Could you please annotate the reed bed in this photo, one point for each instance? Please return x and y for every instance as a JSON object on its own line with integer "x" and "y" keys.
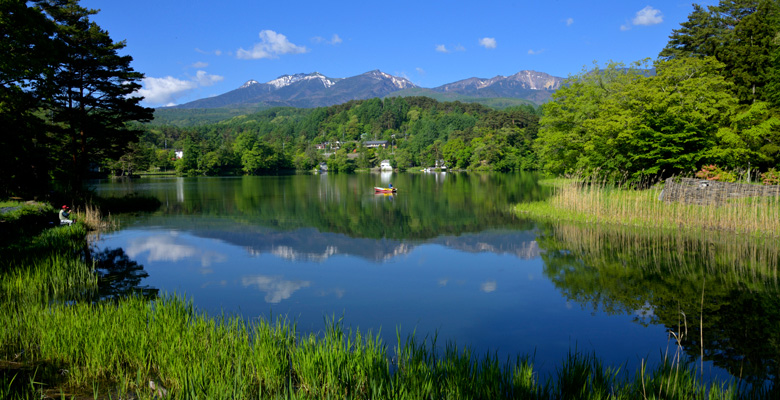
{"x": 91, "y": 216}
{"x": 600, "y": 202}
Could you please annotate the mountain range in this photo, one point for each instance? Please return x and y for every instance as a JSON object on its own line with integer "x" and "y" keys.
{"x": 316, "y": 90}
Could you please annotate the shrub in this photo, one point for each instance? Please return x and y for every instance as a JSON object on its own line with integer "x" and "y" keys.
{"x": 771, "y": 177}
{"x": 714, "y": 173}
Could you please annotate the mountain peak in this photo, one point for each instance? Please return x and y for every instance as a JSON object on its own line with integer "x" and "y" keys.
{"x": 504, "y": 86}
{"x": 249, "y": 83}
{"x": 398, "y": 82}
{"x": 286, "y": 80}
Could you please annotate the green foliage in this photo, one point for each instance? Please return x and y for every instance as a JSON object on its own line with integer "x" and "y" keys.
{"x": 621, "y": 122}
{"x": 420, "y": 129}
{"x": 339, "y": 162}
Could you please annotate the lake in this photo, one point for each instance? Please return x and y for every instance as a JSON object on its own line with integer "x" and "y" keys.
{"x": 444, "y": 258}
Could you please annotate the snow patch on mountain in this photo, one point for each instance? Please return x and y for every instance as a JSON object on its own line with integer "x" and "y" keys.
{"x": 286, "y": 80}
{"x": 249, "y": 83}
{"x": 400, "y": 83}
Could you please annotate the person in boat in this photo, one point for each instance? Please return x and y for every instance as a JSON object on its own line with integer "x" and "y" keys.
{"x": 65, "y": 216}
{"x": 391, "y": 186}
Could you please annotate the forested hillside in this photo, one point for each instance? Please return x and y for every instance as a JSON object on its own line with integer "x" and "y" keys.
{"x": 420, "y": 131}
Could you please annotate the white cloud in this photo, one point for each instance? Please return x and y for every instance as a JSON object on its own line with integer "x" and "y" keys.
{"x": 420, "y": 71}
{"x": 200, "y": 64}
{"x": 625, "y": 27}
{"x": 569, "y": 21}
{"x": 488, "y": 43}
{"x": 336, "y": 39}
{"x": 535, "y": 52}
{"x": 159, "y": 91}
{"x": 204, "y": 79}
{"x": 648, "y": 16}
{"x": 271, "y": 45}
{"x": 165, "y": 91}
{"x": 442, "y": 48}
{"x": 460, "y": 47}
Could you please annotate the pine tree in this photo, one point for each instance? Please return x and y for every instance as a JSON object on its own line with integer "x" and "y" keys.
{"x": 700, "y": 36}
{"x": 91, "y": 89}
{"x": 749, "y": 46}
{"x": 25, "y": 60}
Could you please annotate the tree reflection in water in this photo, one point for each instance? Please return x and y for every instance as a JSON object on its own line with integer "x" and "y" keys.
{"x": 119, "y": 276}
{"x": 659, "y": 277}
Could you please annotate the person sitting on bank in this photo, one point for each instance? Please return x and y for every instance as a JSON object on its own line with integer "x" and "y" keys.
{"x": 65, "y": 216}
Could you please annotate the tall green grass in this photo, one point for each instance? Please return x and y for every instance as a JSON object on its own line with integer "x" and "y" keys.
{"x": 124, "y": 346}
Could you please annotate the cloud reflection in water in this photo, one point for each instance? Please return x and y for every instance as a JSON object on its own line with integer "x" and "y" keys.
{"x": 171, "y": 247}
{"x": 276, "y": 289}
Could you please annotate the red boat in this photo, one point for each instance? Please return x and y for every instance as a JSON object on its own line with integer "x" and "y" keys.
{"x": 384, "y": 190}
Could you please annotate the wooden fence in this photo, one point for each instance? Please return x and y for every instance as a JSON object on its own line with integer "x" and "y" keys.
{"x": 701, "y": 191}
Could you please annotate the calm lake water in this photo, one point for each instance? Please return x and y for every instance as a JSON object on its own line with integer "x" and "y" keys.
{"x": 445, "y": 257}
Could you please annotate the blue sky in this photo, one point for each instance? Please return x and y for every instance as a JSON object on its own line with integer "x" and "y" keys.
{"x": 195, "y": 49}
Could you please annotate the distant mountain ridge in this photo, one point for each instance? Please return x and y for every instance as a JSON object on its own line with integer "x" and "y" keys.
{"x": 317, "y": 90}
{"x": 504, "y": 86}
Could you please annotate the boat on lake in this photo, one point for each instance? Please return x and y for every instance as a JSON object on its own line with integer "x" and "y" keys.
{"x": 384, "y": 189}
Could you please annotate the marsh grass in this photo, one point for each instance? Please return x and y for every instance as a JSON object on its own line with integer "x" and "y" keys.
{"x": 50, "y": 266}
{"x": 91, "y": 216}
{"x": 601, "y": 202}
{"x": 126, "y": 345}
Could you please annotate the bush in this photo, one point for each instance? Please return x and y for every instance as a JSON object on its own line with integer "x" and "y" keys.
{"x": 714, "y": 173}
{"x": 771, "y": 177}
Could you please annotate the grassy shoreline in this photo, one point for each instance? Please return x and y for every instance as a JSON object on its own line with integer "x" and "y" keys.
{"x": 582, "y": 201}
{"x": 59, "y": 342}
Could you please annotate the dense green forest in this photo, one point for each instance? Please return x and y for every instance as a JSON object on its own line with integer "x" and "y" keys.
{"x": 419, "y": 132}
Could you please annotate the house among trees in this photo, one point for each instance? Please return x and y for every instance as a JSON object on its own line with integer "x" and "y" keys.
{"x": 375, "y": 143}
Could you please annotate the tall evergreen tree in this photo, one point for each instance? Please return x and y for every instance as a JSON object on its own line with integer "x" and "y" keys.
{"x": 699, "y": 36}
{"x": 91, "y": 89}
{"x": 749, "y": 46}
{"x": 26, "y": 58}
{"x": 739, "y": 33}
{"x": 773, "y": 80}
